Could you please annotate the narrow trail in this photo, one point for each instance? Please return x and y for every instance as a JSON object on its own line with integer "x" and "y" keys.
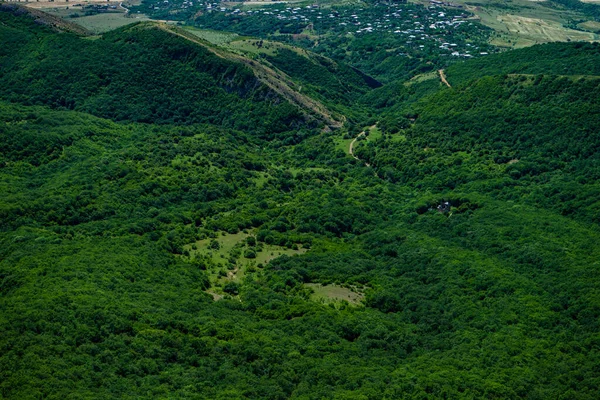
{"x": 443, "y": 77}
{"x": 351, "y": 149}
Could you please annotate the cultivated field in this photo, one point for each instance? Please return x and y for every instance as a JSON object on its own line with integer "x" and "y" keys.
{"x": 101, "y": 23}
{"x": 44, "y": 4}
{"x": 522, "y": 23}
{"x": 591, "y": 26}
{"x": 543, "y": 30}
{"x": 74, "y": 11}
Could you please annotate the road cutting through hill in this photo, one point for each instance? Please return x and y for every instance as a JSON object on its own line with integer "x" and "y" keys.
{"x": 443, "y": 77}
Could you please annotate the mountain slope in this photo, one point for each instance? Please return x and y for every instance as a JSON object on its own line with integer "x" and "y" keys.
{"x": 32, "y": 17}
{"x": 552, "y": 58}
{"x": 531, "y": 137}
{"x": 149, "y": 73}
{"x": 197, "y": 261}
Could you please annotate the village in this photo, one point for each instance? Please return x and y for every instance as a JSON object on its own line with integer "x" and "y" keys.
{"x": 439, "y": 27}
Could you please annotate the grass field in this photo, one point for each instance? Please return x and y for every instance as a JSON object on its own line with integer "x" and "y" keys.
{"x": 252, "y": 46}
{"x": 229, "y": 260}
{"x": 214, "y": 37}
{"x": 45, "y": 4}
{"x": 591, "y": 26}
{"x": 239, "y": 44}
{"x": 542, "y": 30}
{"x": 98, "y": 23}
{"x": 422, "y": 78}
{"x": 522, "y": 23}
{"x": 343, "y": 144}
{"x": 261, "y": 179}
{"x": 334, "y": 294}
{"x": 101, "y": 23}
{"x": 374, "y": 133}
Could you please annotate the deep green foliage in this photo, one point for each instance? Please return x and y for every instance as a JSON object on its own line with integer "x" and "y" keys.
{"x": 144, "y": 74}
{"x": 467, "y": 134}
{"x": 590, "y": 9}
{"x": 552, "y": 58}
{"x": 473, "y": 234}
{"x": 336, "y": 83}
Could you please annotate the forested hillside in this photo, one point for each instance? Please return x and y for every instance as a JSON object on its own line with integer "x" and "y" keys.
{"x": 173, "y": 226}
{"x": 147, "y": 73}
{"x": 552, "y": 58}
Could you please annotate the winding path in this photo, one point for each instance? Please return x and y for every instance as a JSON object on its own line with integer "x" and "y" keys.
{"x": 351, "y": 149}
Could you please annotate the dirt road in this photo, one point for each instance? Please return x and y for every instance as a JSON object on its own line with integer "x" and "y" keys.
{"x": 443, "y": 77}
{"x": 351, "y": 149}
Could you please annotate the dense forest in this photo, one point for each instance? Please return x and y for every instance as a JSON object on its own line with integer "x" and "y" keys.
{"x": 169, "y": 217}
{"x": 117, "y": 77}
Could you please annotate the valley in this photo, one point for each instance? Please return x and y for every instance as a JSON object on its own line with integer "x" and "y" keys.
{"x": 298, "y": 200}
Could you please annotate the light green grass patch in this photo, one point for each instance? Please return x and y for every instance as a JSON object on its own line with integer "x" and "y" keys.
{"x": 374, "y": 133}
{"x": 343, "y": 144}
{"x": 101, "y": 23}
{"x": 261, "y": 178}
{"x": 334, "y": 293}
{"x": 255, "y": 46}
{"x": 543, "y": 30}
{"x": 521, "y": 23}
{"x": 397, "y": 137}
{"x": 215, "y": 37}
{"x": 226, "y": 244}
{"x": 229, "y": 262}
{"x": 591, "y": 26}
{"x": 422, "y": 78}
{"x": 271, "y": 252}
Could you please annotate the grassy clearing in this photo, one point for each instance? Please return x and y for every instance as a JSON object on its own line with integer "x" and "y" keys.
{"x": 56, "y": 4}
{"x": 374, "y": 133}
{"x": 397, "y": 137}
{"x": 255, "y": 46}
{"x": 240, "y": 44}
{"x": 271, "y": 252}
{"x": 343, "y": 144}
{"x": 542, "y": 30}
{"x": 591, "y": 26}
{"x": 335, "y": 294}
{"x": 228, "y": 257}
{"x": 101, "y": 23}
{"x": 215, "y": 37}
{"x": 522, "y": 23}
{"x": 422, "y": 78}
{"x": 261, "y": 179}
